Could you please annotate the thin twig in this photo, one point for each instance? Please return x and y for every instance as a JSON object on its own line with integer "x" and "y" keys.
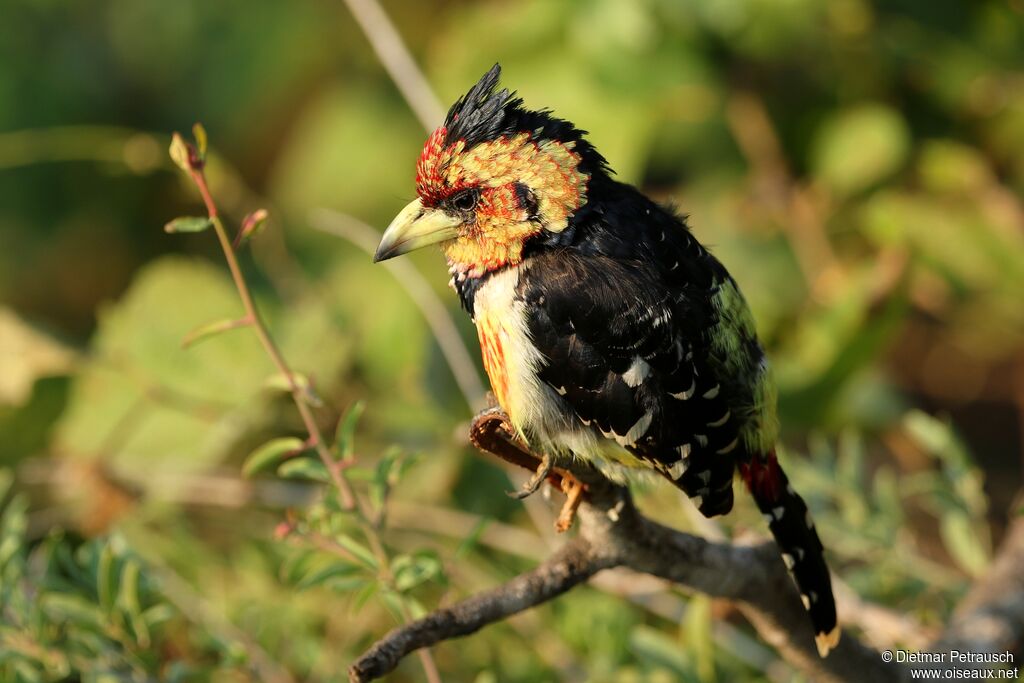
{"x": 395, "y": 56}
{"x": 191, "y": 160}
{"x": 348, "y": 498}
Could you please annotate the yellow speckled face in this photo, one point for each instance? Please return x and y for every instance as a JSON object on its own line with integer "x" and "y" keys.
{"x": 510, "y": 189}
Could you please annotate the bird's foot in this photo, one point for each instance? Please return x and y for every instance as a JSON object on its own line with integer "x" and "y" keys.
{"x": 530, "y": 487}
{"x": 573, "y": 489}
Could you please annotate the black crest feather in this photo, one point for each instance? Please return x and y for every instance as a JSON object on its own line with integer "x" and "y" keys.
{"x": 486, "y": 113}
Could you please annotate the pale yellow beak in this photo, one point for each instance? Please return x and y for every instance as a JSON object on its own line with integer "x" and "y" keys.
{"x": 416, "y": 226}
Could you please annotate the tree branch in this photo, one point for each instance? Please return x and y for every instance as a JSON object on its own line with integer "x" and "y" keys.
{"x": 613, "y": 533}
{"x": 572, "y": 564}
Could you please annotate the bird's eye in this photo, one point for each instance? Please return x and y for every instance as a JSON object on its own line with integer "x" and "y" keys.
{"x": 465, "y": 200}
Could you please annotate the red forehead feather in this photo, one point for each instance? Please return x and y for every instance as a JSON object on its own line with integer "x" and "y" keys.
{"x": 429, "y": 181}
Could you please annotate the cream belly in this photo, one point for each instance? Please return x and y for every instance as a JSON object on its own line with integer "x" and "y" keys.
{"x": 542, "y": 418}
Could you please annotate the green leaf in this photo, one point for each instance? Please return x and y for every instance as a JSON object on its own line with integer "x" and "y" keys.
{"x": 188, "y": 224}
{"x": 305, "y": 468}
{"x": 344, "y": 437}
{"x": 212, "y": 329}
{"x": 199, "y": 133}
{"x": 410, "y": 571}
{"x": 963, "y": 542}
{"x": 270, "y": 453}
{"x": 358, "y": 550}
{"x": 859, "y": 146}
{"x": 325, "y": 574}
{"x": 364, "y": 594}
{"x": 279, "y": 382}
{"x": 106, "y": 578}
{"x": 472, "y": 539}
{"x": 394, "y": 603}
{"x": 699, "y": 628}
{"x": 252, "y": 225}
{"x": 215, "y": 381}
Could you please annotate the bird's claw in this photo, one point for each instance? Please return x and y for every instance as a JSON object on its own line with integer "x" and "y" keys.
{"x": 574, "y": 490}
{"x": 531, "y": 486}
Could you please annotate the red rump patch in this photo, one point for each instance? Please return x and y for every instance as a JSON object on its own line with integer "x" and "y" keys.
{"x": 763, "y": 477}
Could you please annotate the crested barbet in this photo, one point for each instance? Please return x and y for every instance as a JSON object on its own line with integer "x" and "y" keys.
{"x": 608, "y": 332}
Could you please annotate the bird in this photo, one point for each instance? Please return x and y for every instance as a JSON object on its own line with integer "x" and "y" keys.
{"x": 609, "y": 334}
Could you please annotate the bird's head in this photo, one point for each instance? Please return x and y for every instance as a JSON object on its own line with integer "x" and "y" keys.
{"x": 491, "y": 178}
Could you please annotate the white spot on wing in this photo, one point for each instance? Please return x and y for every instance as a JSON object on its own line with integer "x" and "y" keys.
{"x": 637, "y": 430}
{"x": 705, "y": 477}
{"x": 777, "y": 512}
{"x": 712, "y": 392}
{"x": 720, "y": 421}
{"x": 807, "y": 601}
{"x": 637, "y": 372}
{"x": 684, "y": 451}
{"x": 788, "y": 559}
{"x": 702, "y": 439}
{"x": 560, "y": 390}
{"x": 678, "y": 469}
{"x": 685, "y": 395}
{"x": 729, "y": 448}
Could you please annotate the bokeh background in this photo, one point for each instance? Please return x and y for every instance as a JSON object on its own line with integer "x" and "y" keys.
{"x": 857, "y": 165}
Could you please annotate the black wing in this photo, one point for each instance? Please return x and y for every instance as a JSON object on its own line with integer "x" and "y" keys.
{"x": 626, "y": 344}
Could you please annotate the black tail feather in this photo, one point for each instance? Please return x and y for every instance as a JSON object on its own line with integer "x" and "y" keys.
{"x": 794, "y": 532}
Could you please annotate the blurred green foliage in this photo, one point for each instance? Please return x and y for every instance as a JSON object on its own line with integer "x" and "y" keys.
{"x": 857, "y": 165}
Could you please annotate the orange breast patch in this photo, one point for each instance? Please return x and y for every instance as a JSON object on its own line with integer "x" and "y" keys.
{"x": 492, "y": 347}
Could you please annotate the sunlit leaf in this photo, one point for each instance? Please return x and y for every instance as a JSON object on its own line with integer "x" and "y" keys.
{"x": 360, "y": 551}
{"x": 305, "y": 468}
{"x": 859, "y": 146}
{"x": 271, "y": 453}
{"x": 199, "y": 133}
{"x": 344, "y": 437}
{"x": 179, "y": 152}
{"x": 188, "y": 224}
